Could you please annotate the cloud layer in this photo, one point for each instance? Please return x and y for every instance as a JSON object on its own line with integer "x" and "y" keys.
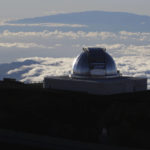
{"x": 36, "y": 68}
{"x": 23, "y": 45}
{"x": 68, "y": 44}
{"x": 121, "y": 36}
{"x": 44, "y": 25}
{"x": 129, "y": 49}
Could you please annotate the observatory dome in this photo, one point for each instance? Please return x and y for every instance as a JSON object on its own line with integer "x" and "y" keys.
{"x": 94, "y": 63}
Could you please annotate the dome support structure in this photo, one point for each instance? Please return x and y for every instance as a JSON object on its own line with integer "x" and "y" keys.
{"x": 94, "y": 72}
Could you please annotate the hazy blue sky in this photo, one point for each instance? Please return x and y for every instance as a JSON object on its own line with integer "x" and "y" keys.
{"x": 31, "y": 8}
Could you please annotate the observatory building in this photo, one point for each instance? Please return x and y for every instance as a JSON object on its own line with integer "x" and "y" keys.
{"x": 94, "y": 71}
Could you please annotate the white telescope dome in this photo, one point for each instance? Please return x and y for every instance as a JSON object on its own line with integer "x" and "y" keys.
{"x": 94, "y": 62}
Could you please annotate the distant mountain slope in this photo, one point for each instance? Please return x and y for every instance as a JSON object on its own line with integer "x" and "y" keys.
{"x": 97, "y": 20}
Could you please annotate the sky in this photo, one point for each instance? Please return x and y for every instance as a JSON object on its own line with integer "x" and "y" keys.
{"x": 11, "y": 9}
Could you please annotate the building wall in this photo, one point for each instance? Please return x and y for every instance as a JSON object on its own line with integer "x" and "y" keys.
{"x": 98, "y": 87}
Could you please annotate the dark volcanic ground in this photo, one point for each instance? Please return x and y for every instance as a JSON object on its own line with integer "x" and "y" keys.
{"x": 118, "y": 120}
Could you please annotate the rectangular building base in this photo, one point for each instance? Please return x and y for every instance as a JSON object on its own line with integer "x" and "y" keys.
{"x": 106, "y": 86}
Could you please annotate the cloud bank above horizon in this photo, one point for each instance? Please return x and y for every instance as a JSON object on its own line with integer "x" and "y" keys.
{"x": 129, "y": 49}
{"x": 58, "y": 43}
{"x": 29, "y": 56}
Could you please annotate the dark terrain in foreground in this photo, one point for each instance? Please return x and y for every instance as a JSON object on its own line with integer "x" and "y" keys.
{"x": 116, "y": 120}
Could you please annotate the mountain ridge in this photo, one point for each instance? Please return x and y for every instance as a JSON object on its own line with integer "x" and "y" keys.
{"x": 85, "y": 13}
{"x": 96, "y": 20}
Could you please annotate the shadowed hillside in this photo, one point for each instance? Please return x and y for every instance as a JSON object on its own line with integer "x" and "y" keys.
{"x": 119, "y": 120}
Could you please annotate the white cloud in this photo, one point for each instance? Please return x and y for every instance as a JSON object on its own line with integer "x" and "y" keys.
{"x": 60, "y": 34}
{"x": 140, "y": 36}
{"x": 35, "y": 72}
{"x": 23, "y": 45}
{"x": 44, "y": 25}
{"x": 134, "y": 66}
{"x": 129, "y": 49}
{"x": 111, "y": 47}
{"x": 44, "y": 67}
{"x": 134, "y": 33}
{"x": 119, "y": 37}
